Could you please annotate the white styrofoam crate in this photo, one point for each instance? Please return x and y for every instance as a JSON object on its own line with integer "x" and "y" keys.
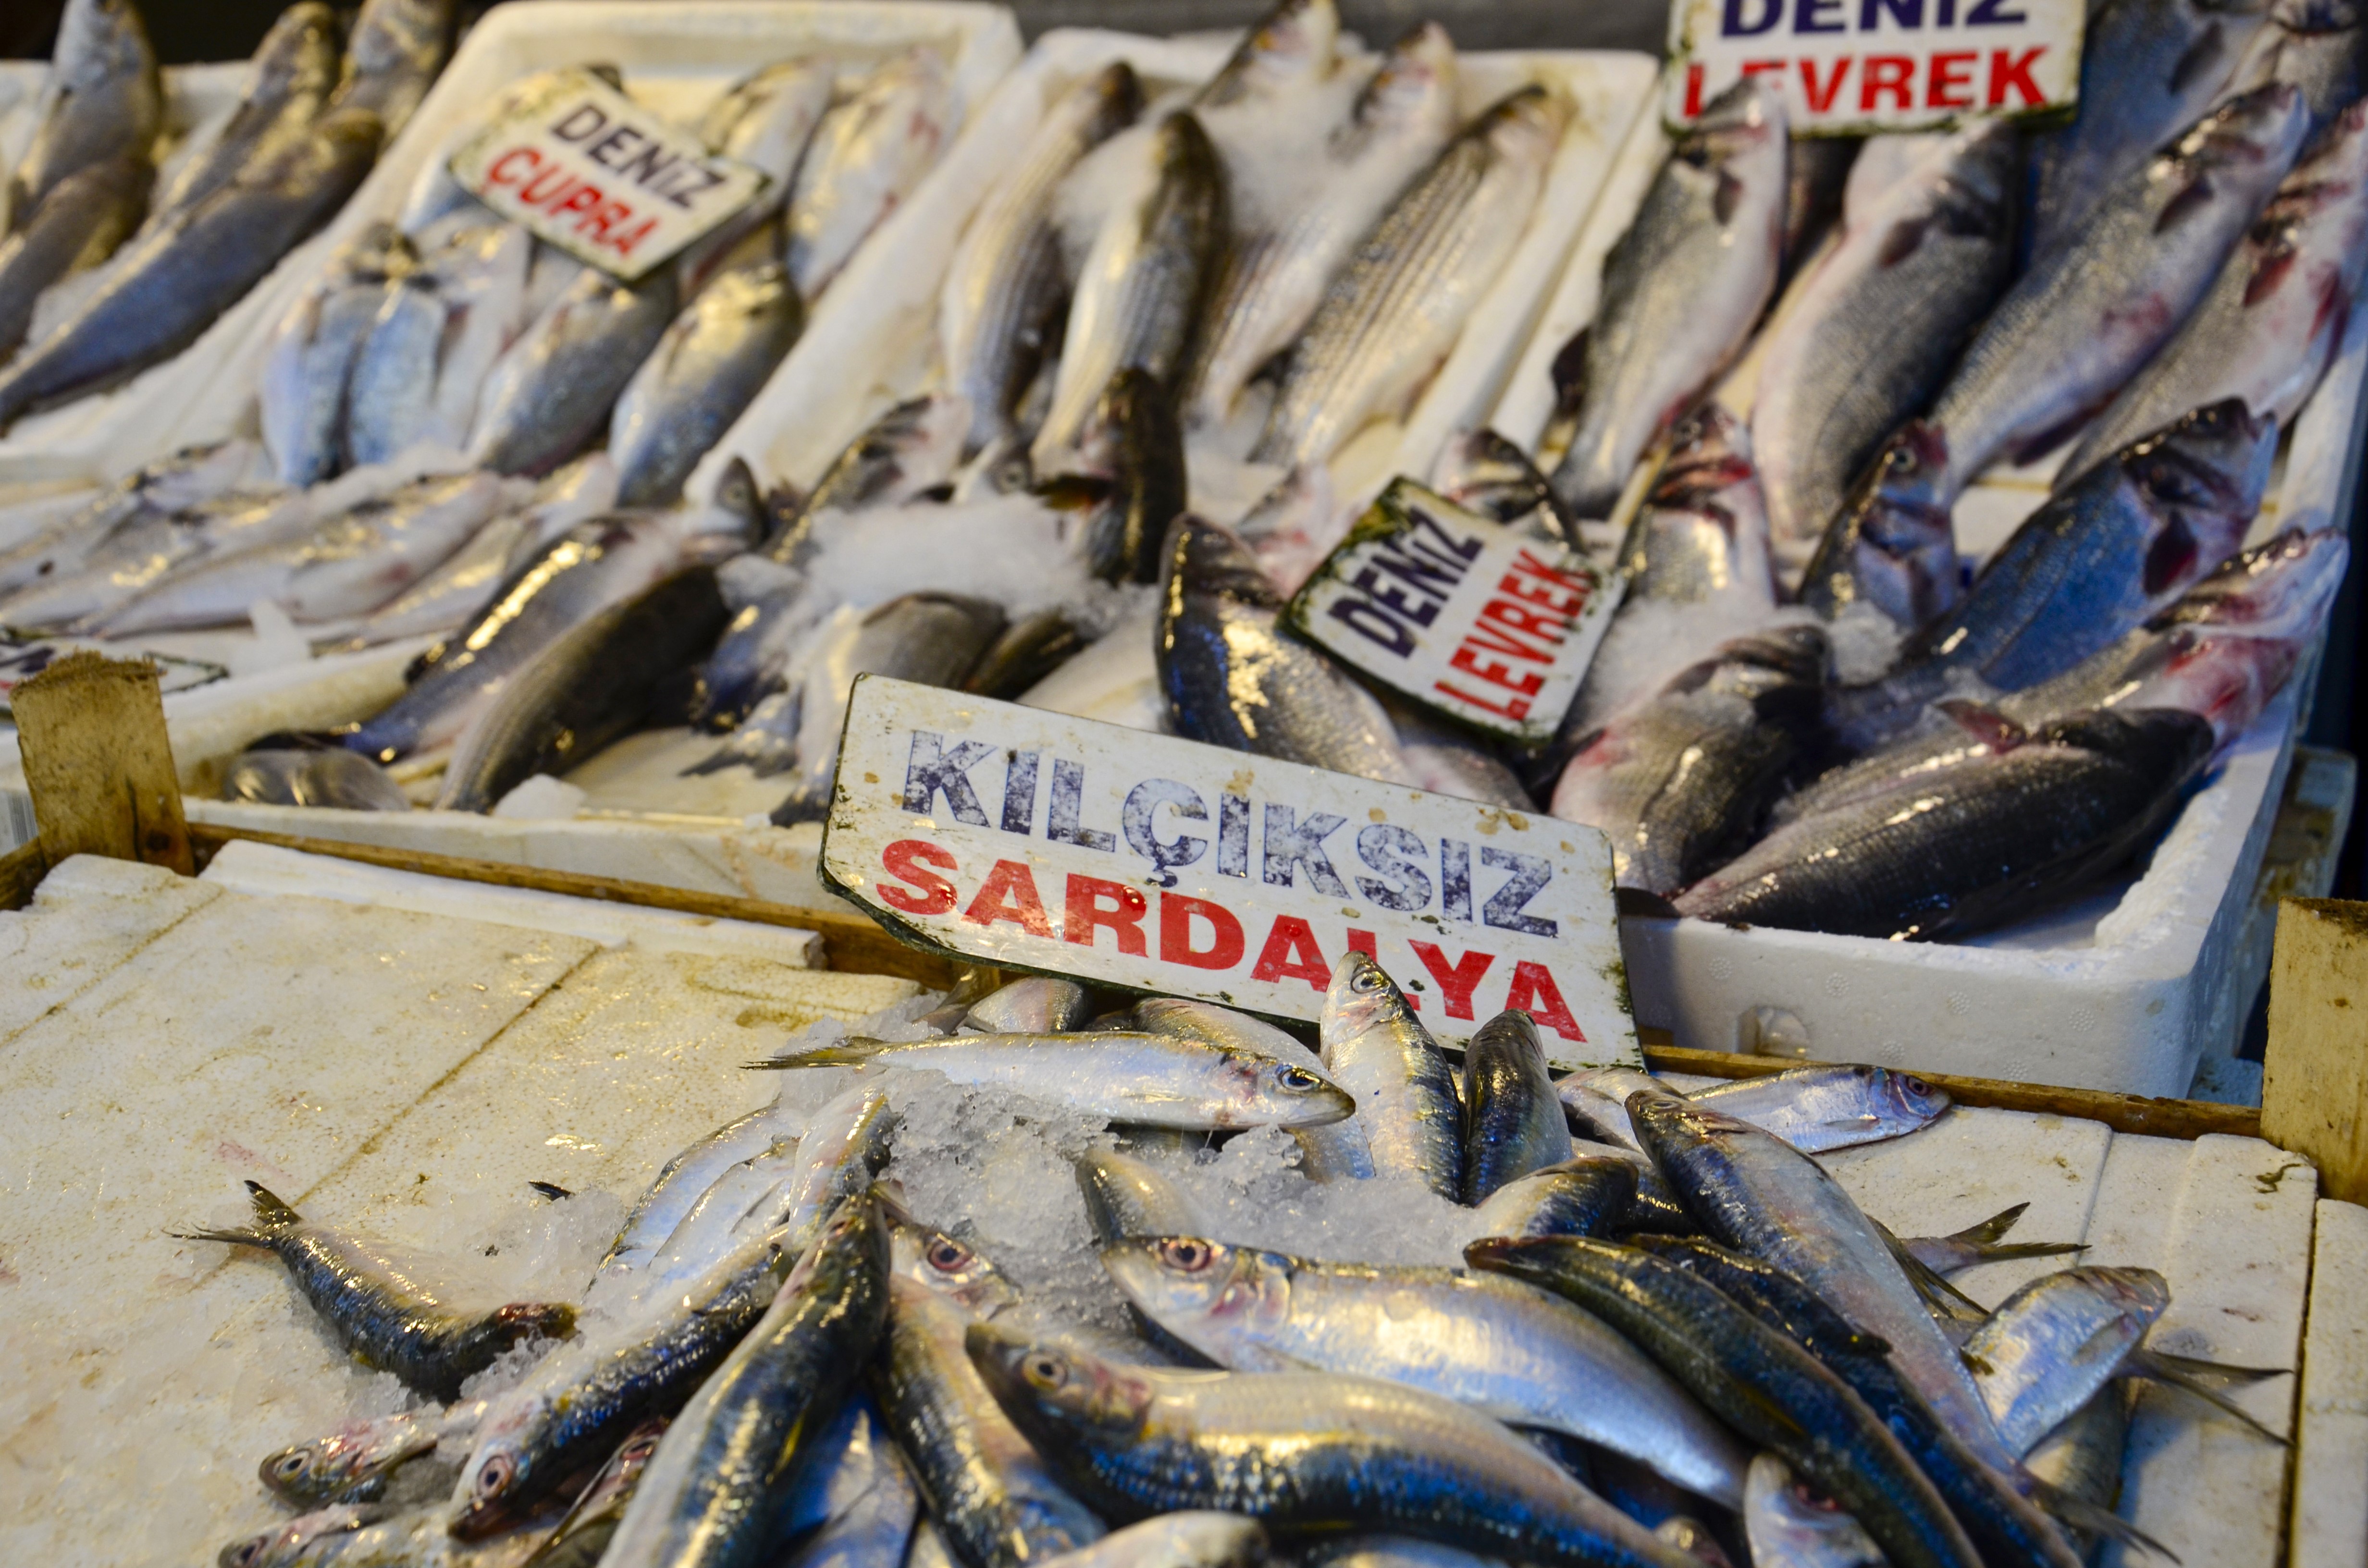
{"x": 675, "y": 57}
{"x": 2126, "y": 989}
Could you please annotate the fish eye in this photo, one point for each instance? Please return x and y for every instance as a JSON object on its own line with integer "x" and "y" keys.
{"x": 1045, "y": 1370}
{"x": 292, "y": 1464}
{"x": 1915, "y": 1084}
{"x": 494, "y": 1474}
{"x": 240, "y": 1555}
{"x": 947, "y": 1255}
{"x": 1368, "y": 978}
{"x": 1186, "y": 1255}
{"x": 1299, "y": 1080}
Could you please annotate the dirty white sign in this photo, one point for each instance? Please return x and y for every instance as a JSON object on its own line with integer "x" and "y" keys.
{"x": 22, "y": 660}
{"x": 1032, "y": 840}
{"x": 1850, "y": 67}
{"x": 585, "y": 168}
{"x": 1480, "y": 621}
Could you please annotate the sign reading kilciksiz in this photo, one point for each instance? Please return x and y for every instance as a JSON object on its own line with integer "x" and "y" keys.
{"x": 1487, "y": 622}
{"x": 583, "y": 166}
{"x": 1031, "y": 840}
{"x": 1866, "y": 65}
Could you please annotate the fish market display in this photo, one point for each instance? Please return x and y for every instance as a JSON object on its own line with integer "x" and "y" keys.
{"x": 894, "y": 1355}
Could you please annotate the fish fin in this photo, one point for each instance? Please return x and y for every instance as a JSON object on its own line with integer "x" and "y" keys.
{"x": 1945, "y": 1299}
{"x": 1848, "y": 1123}
{"x": 2140, "y": 1362}
{"x": 852, "y": 1051}
{"x": 716, "y": 762}
{"x": 551, "y": 1189}
{"x": 1982, "y": 1232}
{"x": 268, "y": 1210}
{"x": 234, "y": 1238}
{"x": 1999, "y": 1251}
{"x": 2198, "y": 1365}
{"x": 2091, "y": 1519}
{"x": 1999, "y": 732}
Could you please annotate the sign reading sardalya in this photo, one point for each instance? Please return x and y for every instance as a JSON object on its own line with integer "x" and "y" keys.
{"x": 1033, "y": 840}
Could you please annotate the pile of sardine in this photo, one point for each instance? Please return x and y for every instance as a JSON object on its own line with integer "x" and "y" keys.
{"x": 1674, "y": 1339}
{"x": 107, "y": 264}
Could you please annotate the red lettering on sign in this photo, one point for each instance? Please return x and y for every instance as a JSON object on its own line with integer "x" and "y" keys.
{"x": 623, "y": 244}
{"x": 1291, "y": 950}
{"x": 1694, "y": 89}
{"x": 2007, "y": 70}
{"x": 1457, "y": 980}
{"x": 1567, "y": 606}
{"x": 1951, "y": 83}
{"x": 1892, "y": 74}
{"x": 548, "y": 184}
{"x": 1763, "y": 68}
{"x": 1176, "y": 913}
{"x": 1535, "y": 993}
{"x": 1496, "y": 640}
{"x": 583, "y": 199}
{"x": 1821, "y": 100}
{"x": 904, "y": 860}
{"x": 1122, "y": 915}
{"x": 1526, "y": 563}
{"x": 1495, "y": 674}
{"x": 1505, "y": 613}
{"x": 1009, "y": 893}
{"x": 1512, "y": 708}
{"x": 1362, "y": 942}
{"x": 596, "y": 223}
{"x": 498, "y": 172}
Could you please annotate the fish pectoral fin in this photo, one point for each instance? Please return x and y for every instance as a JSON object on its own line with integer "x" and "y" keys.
{"x": 852, "y": 1053}
{"x": 2088, "y": 1519}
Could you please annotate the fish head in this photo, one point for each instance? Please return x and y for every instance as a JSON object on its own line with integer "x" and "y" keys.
{"x": 2278, "y": 589}
{"x": 606, "y": 1495}
{"x": 1048, "y": 1388}
{"x": 2249, "y": 141}
{"x": 518, "y": 1322}
{"x": 2200, "y": 481}
{"x": 350, "y": 1457}
{"x": 1202, "y": 560}
{"x": 1204, "y": 1292}
{"x": 1747, "y": 117}
{"x": 1264, "y": 1091}
{"x": 1525, "y": 125}
{"x": 1361, "y": 998}
{"x": 502, "y": 1474}
{"x": 1667, "y": 1126}
{"x": 286, "y": 1542}
{"x": 98, "y": 39}
{"x": 1709, "y": 450}
{"x": 2330, "y": 170}
{"x": 1506, "y": 1046}
{"x": 853, "y": 1242}
{"x": 2308, "y": 16}
{"x": 1902, "y": 1099}
{"x": 1415, "y": 86}
{"x": 913, "y": 446}
{"x": 949, "y": 1267}
{"x": 1117, "y": 93}
{"x": 1293, "y": 41}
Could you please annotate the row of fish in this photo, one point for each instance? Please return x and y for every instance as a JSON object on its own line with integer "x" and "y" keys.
{"x": 1671, "y": 1338}
{"x": 103, "y": 271}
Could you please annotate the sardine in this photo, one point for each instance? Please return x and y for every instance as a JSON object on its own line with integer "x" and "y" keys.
{"x": 1509, "y": 1349}
{"x": 999, "y": 309}
{"x": 1234, "y": 678}
{"x": 394, "y": 51}
{"x": 703, "y": 1500}
{"x": 1142, "y": 285}
{"x": 678, "y": 1185}
{"x": 1771, "y": 1391}
{"x": 1871, "y": 335}
{"x": 582, "y": 1536}
{"x": 1512, "y": 1122}
{"x": 2057, "y": 1341}
{"x": 725, "y": 1215}
{"x": 1280, "y": 264}
{"x": 385, "y": 1317}
{"x": 1791, "y": 1527}
{"x": 705, "y": 370}
{"x": 868, "y": 154}
{"x": 1820, "y": 1108}
{"x": 1592, "y": 1195}
{"x": 1153, "y": 1080}
{"x": 842, "y": 1149}
{"x": 295, "y": 69}
{"x": 866, "y": 1495}
{"x": 163, "y": 291}
{"x": 78, "y": 224}
{"x": 101, "y": 101}
{"x": 1303, "y": 1451}
{"x": 334, "y": 777}
{"x": 1192, "y": 1539}
{"x": 1680, "y": 780}
{"x": 302, "y": 390}
{"x": 555, "y": 386}
{"x": 1379, "y": 1053}
{"x": 1125, "y": 1198}
{"x": 1389, "y": 319}
{"x": 1039, "y": 1005}
{"x": 1681, "y": 290}
{"x": 1335, "y": 1152}
{"x": 594, "y": 684}
{"x": 2271, "y": 323}
{"x": 286, "y": 1543}
{"x": 353, "y": 1461}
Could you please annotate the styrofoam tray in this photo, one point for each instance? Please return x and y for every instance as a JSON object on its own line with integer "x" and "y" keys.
{"x": 872, "y": 341}
{"x": 675, "y": 57}
{"x": 2126, "y": 989}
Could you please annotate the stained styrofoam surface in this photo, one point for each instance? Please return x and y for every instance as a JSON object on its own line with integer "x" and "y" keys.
{"x": 675, "y": 57}
{"x": 2328, "y": 1526}
{"x": 89, "y": 915}
{"x": 872, "y": 342}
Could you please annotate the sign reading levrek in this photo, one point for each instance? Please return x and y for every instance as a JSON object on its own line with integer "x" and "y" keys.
{"x": 1484, "y": 621}
{"x": 584, "y": 166}
{"x": 1033, "y": 840}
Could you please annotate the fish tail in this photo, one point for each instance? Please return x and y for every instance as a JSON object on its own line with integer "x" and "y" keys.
{"x": 2090, "y": 1519}
{"x": 2145, "y": 1363}
{"x": 270, "y": 1215}
{"x": 1996, "y": 1252}
{"x": 2198, "y": 1365}
{"x": 849, "y": 1053}
{"x": 1984, "y": 1232}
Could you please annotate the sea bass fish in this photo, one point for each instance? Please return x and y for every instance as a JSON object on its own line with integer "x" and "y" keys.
{"x": 1390, "y": 318}
{"x": 706, "y": 369}
{"x": 394, "y": 51}
{"x": 868, "y": 154}
{"x": 1681, "y": 290}
{"x": 553, "y": 387}
{"x": 295, "y": 69}
{"x": 101, "y": 101}
{"x": 78, "y": 225}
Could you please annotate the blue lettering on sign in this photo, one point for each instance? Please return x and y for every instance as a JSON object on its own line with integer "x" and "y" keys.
{"x": 1233, "y": 835}
{"x": 1530, "y": 874}
{"x": 1732, "y": 25}
{"x": 930, "y": 770}
{"x": 1062, "y": 823}
{"x": 1813, "y": 17}
{"x": 1399, "y": 855}
{"x": 1134, "y": 820}
{"x": 1020, "y": 792}
{"x": 1291, "y": 843}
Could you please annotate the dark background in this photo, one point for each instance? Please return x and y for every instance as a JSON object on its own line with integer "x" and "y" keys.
{"x": 188, "y": 31}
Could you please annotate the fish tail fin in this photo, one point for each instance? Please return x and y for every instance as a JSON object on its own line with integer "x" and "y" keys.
{"x": 1987, "y": 1233}
{"x": 1995, "y": 1252}
{"x": 270, "y": 1214}
{"x": 270, "y": 1211}
{"x": 2198, "y": 1365}
{"x": 2091, "y": 1519}
{"x": 850, "y": 1052}
{"x": 2143, "y": 1363}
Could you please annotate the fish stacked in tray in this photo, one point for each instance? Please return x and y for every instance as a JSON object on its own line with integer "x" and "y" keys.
{"x": 1360, "y": 1302}
{"x": 109, "y": 265}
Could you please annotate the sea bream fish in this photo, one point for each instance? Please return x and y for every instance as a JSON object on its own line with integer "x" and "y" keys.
{"x": 440, "y": 327}
{"x": 1872, "y": 332}
{"x": 552, "y": 389}
{"x": 1000, "y": 310}
{"x": 2320, "y": 46}
{"x": 1290, "y": 244}
{"x": 2275, "y": 315}
{"x": 866, "y": 155}
{"x": 1682, "y": 290}
{"x": 706, "y": 369}
{"x": 101, "y": 101}
{"x": 300, "y": 393}
{"x": 1394, "y": 313}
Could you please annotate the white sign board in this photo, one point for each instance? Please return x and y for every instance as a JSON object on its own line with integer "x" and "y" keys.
{"x": 1478, "y": 619}
{"x": 1864, "y": 66}
{"x": 1031, "y": 840}
{"x": 585, "y": 168}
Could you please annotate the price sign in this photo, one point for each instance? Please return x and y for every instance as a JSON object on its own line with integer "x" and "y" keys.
{"x": 1031, "y": 840}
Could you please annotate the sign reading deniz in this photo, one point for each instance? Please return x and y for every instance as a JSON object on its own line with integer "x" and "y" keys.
{"x": 1856, "y": 65}
{"x": 583, "y": 166}
{"x": 1032, "y": 840}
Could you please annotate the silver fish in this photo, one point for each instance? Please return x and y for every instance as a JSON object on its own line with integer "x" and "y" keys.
{"x": 1681, "y": 290}
{"x": 437, "y": 335}
{"x": 151, "y": 547}
{"x": 1126, "y": 1197}
{"x": 1512, "y": 1122}
{"x": 302, "y": 391}
{"x": 766, "y": 120}
{"x": 166, "y": 290}
{"x": 354, "y": 1458}
{"x": 1192, "y": 1539}
{"x": 1000, "y": 306}
{"x": 2270, "y": 324}
{"x": 2054, "y": 1343}
{"x": 1791, "y": 1527}
{"x": 1870, "y": 335}
{"x": 1448, "y": 761}
{"x": 869, "y": 1500}
{"x": 1588, "y": 1195}
{"x": 1389, "y": 320}
{"x": 2083, "y": 319}
{"x": 1378, "y": 1050}
{"x": 705, "y": 370}
{"x": 718, "y": 1222}
{"x": 1818, "y": 1108}
{"x": 1295, "y": 41}
{"x": 101, "y": 101}
{"x": 867, "y": 156}
{"x": 679, "y": 1184}
{"x": 1500, "y": 1346}
{"x": 2320, "y": 46}
{"x": 1337, "y": 1152}
{"x": 1039, "y": 1005}
{"x": 1701, "y": 536}
{"x": 394, "y": 51}
{"x": 556, "y": 385}
{"x": 335, "y": 778}
{"x": 78, "y": 224}
{"x": 1280, "y": 263}
{"x": 1141, "y": 288}
{"x": 286, "y": 1543}
{"x": 295, "y": 69}
{"x": 184, "y": 479}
